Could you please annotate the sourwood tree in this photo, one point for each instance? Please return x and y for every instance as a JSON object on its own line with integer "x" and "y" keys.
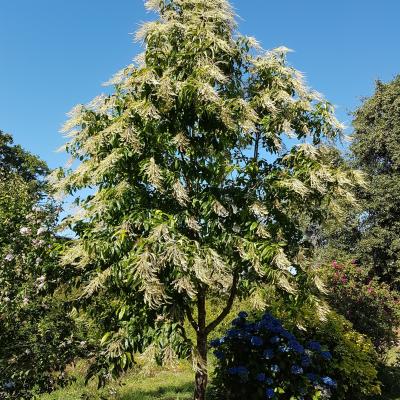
{"x": 194, "y": 180}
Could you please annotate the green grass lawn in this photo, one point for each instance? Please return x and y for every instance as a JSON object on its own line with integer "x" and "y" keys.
{"x": 174, "y": 384}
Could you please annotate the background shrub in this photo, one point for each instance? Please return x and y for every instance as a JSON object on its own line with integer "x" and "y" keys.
{"x": 354, "y": 359}
{"x": 371, "y": 306}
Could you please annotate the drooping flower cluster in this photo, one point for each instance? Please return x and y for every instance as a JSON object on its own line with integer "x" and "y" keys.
{"x": 265, "y": 360}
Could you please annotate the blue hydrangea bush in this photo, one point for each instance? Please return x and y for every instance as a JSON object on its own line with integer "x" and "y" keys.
{"x": 262, "y": 360}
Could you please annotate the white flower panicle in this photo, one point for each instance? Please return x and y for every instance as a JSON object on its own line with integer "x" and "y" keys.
{"x": 25, "y": 231}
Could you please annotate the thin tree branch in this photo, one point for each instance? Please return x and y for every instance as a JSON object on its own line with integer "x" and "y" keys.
{"x": 256, "y": 144}
{"x": 190, "y": 318}
{"x": 228, "y": 306}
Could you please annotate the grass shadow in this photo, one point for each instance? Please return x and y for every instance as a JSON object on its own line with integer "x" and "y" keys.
{"x": 167, "y": 391}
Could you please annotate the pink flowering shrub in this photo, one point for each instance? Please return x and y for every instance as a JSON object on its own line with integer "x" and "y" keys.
{"x": 372, "y": 307}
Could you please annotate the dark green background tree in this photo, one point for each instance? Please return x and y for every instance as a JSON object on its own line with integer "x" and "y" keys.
{"x": 376, "y": 150}
{"x": 364, "y": 246}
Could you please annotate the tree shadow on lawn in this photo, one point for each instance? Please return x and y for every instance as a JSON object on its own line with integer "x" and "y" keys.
{"x": 182, "y": 391}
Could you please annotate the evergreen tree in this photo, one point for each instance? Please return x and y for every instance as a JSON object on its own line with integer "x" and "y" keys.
{"x": 194, "y": 193}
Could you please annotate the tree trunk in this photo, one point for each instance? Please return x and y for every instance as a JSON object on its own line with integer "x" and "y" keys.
{"x": 201, "y": 377}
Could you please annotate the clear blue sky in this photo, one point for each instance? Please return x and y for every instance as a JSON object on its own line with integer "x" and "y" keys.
{"x": 56, "y": 53}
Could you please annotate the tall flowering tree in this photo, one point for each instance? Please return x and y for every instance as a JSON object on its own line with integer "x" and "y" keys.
{"x": 195, "y": 192}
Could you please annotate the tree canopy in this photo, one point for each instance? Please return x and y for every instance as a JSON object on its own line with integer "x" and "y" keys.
{"x": 14, "y": 159}
{"x": 376, "y": 150}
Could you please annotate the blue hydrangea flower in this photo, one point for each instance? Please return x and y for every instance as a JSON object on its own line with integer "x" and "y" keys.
{"x": 266, "y": 316}
{"x": 261, "y": 377}
{"x": 270, "y": 393}
{"x": 283, "y": 348}
{"x": 251, "y": 327}
{"x": 274, "y": 339}
{"x": 243, "y": 314}
{"x": 276, "y": 329}
{"x": 326, "y": 355}
{"x": 219, "y": 354}
{"x": 256, "y": 341}
{"x": 215, "y": 343}
{"x": 243, "y": 335}
{"x": 313, "y": 378}
{"x": 275, "y": 368}
{"x": 232, "y": 333}
{"x": 296, "y": 370}
{"x": 287, "y": 335}
{"x": 10, "y": 385}
{"x": 237, "y": 322}
{"x": 240, "y": 370}
{"x": 268, "y": 354}
{"x": 305, "y": 361}
{"x": 326, "y": 380}
{"x": 296, "y": 346}
{"x": 315, "y": 346}
{"x": 260, "y": 325}
{"x": 269, "y": 381}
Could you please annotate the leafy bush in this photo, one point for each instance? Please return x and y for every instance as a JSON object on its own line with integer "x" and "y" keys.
{"x": 35, "y": 356}
{"x": 37, "y": 336}
{"x": 354, "y": 359}
{"x": 370, "y": 305}
{"x": 264, "y": 360}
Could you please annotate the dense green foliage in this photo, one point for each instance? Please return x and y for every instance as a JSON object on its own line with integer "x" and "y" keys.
{"x": 354, "y": 359}
{"x": 15, "y": 160}
{"x": 374, "y": 238}
{"x": 36, "y": 335}
{"x": 195, "y": 194}
{"x": 367, "y": 292}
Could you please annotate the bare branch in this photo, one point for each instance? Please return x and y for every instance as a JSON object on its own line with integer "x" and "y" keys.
{"x": 228, "y": 306}
{"x": 190, "y": 318}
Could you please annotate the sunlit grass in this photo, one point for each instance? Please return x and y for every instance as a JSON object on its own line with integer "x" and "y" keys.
{"x": 176, "y": 384}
